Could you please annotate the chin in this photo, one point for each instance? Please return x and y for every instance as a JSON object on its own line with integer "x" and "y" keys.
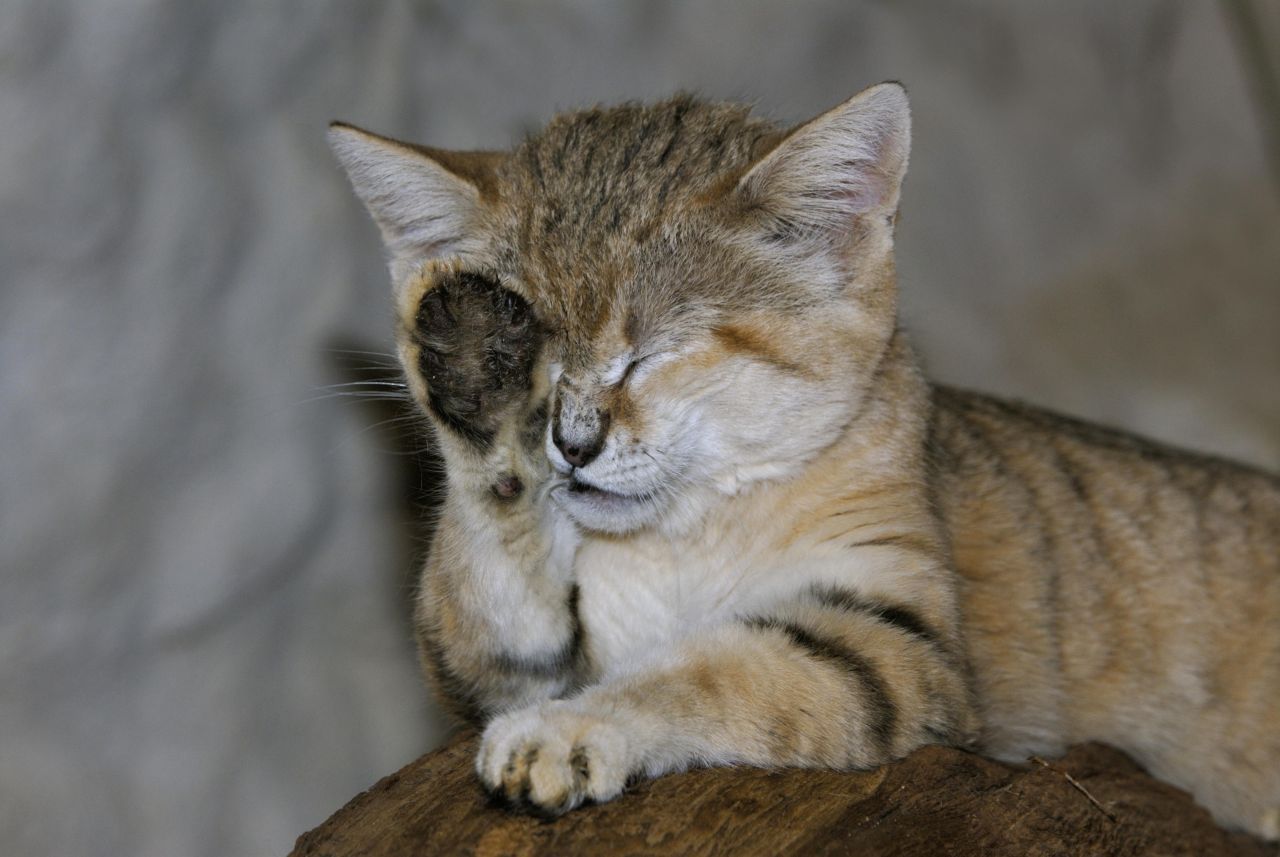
{"x": 605, "y": 511}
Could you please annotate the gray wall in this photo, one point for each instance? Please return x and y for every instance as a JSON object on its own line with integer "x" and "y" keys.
{"x": 203, "y": 638}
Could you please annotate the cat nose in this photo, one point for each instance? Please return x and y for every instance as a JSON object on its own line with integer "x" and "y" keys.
{"x": 580, "y": 444}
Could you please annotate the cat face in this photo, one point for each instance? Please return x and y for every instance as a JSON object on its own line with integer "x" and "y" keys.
{"x": 713, "y": 293}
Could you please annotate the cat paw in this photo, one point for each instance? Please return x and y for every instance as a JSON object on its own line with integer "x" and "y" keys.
{"x": 478, "y": 343}
{"x": 550, "y": 758}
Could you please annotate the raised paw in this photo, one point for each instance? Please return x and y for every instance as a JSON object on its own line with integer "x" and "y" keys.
{"x": 550, "y": 758}
{"x": 478, "y": 345}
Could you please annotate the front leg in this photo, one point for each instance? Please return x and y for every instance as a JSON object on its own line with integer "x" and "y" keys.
{"x": 828, "y": 680}
{"x": 496, "y": 617}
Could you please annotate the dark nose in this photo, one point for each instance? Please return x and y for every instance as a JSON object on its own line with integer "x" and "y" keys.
{"x": 580, "y": 447}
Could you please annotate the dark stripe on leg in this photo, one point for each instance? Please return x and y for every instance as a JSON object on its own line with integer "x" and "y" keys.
{"x": 458, "y": 693}
{"x": 900, "y": 617}
{"x": 576, "y": 632}
{"x": 554, "y": 664}
{"x": 883, "y": 713}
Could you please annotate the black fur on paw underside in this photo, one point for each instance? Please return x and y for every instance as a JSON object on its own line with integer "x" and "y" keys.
{"x": 479, "y": 343}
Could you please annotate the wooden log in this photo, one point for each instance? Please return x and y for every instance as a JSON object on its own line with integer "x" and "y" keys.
{"x": 936, "y": 801}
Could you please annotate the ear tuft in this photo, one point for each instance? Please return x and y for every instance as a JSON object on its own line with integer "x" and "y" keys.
{"x": 423, "y": 208}
{"x": 845, "y": 163}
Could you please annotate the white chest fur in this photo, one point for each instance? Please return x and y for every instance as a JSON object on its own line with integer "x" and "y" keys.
{"x": 640, "y": 593}
{"x": 637, "y": 595}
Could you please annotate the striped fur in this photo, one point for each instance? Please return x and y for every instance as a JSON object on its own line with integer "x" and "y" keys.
{"x": 703, "y": 508}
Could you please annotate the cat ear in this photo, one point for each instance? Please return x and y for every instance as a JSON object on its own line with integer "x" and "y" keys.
{"x": 846, "y": 163}
{"x": 426, "y": 201}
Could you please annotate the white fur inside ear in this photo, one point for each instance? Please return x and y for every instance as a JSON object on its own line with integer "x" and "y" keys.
{"x": 422, "y": 208}
{"x": 847, "y": 162}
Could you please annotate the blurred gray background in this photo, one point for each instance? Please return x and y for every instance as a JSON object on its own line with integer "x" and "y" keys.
{"x": 204, "y": 647}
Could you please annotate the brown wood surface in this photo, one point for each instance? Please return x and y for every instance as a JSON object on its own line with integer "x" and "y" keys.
{"x": 937, "y": 801}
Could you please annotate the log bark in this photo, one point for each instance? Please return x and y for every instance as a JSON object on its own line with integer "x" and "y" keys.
{"x": 936, "y": 801}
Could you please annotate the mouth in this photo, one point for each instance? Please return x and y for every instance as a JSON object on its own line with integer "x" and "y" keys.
{"x": 602, "y": 510}
{"x": 587, "y": 491}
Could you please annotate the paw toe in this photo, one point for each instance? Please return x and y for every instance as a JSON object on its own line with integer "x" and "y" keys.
{"x": 553, "y": 761}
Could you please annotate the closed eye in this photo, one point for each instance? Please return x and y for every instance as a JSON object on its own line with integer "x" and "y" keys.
{"x": 631, "y": 368}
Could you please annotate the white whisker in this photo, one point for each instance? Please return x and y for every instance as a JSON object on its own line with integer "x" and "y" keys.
{"x": 385, "y": 355}
{"x": 383, "y": 395}
{"x": 399, "y": 384}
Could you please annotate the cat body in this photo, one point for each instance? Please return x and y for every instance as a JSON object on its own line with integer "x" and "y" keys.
{"x": 1117, "y": 590}
{"x": 704, "y": 508}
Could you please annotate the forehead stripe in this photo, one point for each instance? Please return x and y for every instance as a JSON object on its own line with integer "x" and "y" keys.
{"x": 752, "y": 343}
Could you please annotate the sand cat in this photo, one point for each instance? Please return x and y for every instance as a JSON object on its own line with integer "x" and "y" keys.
{"x": 703, "y": 507}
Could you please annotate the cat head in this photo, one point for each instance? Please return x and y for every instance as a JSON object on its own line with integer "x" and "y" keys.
{"x": 715, "y": 292}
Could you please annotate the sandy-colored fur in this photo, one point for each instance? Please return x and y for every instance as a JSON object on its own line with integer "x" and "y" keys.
{"x": 1117, "y": 590}
{"x": 726, "y": 520}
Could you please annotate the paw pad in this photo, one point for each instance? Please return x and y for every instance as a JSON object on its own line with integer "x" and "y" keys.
{"x": 478, "y": 344}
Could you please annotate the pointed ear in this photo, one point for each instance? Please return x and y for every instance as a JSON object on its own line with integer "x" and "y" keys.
{"x": 846, "y": 163}
{"x": 427, "y": 202}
